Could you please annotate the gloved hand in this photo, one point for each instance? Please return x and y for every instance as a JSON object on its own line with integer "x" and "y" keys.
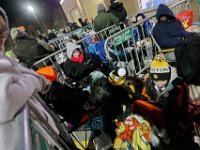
{"x": 45, "y": 85}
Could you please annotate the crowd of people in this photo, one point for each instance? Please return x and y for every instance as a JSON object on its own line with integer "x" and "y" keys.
{"x": 112, "y": 97}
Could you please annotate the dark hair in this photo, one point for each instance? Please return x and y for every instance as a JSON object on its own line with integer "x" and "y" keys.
{"x": 80, "y": 20}
{"x": 4, "y": 16}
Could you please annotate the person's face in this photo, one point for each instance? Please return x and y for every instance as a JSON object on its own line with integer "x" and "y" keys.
{"x": 160, "y": 83}
{"x": 163, "y": 18}
{"x": 3, "y": 33}
{"x": 139, "y": 18}
{"x": 76, "y": 53}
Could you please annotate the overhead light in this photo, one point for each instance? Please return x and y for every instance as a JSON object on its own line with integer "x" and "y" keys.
{"x": 30, "y": 8}
{"x": 61, "y": 1}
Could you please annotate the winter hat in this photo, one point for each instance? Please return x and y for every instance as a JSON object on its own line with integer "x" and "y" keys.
{"x": 101, "y": 8}
{"x": 70, "y": 48}
{"x": 160, "y": 69}
{"x": 117, "y": 77}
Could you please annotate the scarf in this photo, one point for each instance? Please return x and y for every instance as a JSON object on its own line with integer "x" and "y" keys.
{"x": 79, "y": 59}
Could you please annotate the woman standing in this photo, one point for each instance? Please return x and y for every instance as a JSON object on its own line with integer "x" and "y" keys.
{"x": 18, "y": 84}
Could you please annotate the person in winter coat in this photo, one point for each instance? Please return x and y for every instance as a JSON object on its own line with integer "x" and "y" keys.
{"x": 103, "y": 19}
{"x": 161, "y": 86}
{"x": 142, "y": 30}
{"x": 166, "y": 98}
{"x": 78, "y": 65}
{"x": 83, "y": 23}
{"x": 29, "y": 50}
{"x": 18, "y": 84}
{"x": 117, "y": 9}
{"x": 168, "y": 31}
{"x": 51, "y": 35}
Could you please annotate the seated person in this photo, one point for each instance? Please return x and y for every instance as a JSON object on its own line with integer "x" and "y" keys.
{"x": 142, "y": 30}
{"x": 168, "y": 31}
{"x": 166, "y": 96}
{"x": 78, "y": 65}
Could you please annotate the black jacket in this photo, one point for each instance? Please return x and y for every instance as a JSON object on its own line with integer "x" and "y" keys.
{"x": 171, "y": 33}
{"x": 78, "y": 70}
{"x": 29, "y": 51}
{"x": 118, "y": 10}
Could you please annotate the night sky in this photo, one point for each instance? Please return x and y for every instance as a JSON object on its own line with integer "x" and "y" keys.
{"x": 18, "y": 13}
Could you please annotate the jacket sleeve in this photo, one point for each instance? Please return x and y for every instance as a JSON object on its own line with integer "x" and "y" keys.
{"x": 164, "y": 40}
{"x": 95, "y": 26}
{"x": 81, "y": 70}
{"x": 16, "y": 89}
{"x": 135, "y": 34}
{"x": 114, "y": 19}
{"x": 77, "y": 70}
{"x": 45, "y": 45}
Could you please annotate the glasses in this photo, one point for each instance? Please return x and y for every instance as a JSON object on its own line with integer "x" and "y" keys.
{"x": 4, "y": 28}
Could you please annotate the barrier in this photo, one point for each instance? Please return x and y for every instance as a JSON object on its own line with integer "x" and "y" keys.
{"x": 136, "y": 43}
{"x": 39, "y": 128}
{"x": 60, "y": 56}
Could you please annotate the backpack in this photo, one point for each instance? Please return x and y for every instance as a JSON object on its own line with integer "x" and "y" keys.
{"x": 188, "y": 59}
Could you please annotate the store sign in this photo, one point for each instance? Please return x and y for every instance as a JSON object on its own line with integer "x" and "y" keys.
{"x": 122, "y": 37}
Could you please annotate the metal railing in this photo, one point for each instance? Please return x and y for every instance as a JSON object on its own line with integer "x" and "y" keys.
{"x": 133, "y": 48}
{"x": 37, "y": 132}
{"x": 54, "y": 59}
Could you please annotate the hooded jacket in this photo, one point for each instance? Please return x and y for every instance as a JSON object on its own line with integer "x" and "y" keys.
{"x": 104, "y": 19}
{"x": 138, "y": 31}
{"x": 29, "y": 50}
{"x": 170, "y": 33}
{"x": 118, "y": 10}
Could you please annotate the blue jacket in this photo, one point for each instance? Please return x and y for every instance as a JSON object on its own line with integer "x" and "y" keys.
{"x": 137, "y": 32}
{"x": 170, "y": 33}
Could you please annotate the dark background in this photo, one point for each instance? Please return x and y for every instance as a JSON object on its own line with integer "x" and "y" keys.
{"x": 49, "y": 14}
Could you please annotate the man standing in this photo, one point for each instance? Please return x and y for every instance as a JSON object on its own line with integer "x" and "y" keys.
{"x": 104, "y": 19}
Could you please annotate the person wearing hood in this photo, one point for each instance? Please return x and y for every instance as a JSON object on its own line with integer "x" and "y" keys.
{"x": 117, "y": 9}
{"x": 142, "y": 30}
{"x": 78, "y": 65}
{"x": 104, "y": 19}
{"x": 29, "y": 50}
{"x": 18, "y": 85}
{"x": 168, "y": 31}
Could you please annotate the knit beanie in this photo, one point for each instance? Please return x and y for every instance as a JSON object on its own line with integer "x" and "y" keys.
{"x": 70, "y": 48}
{"x": 117, "y": 77}
{"x": 101, "y": 8}
{"x": 160, "y": 69}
